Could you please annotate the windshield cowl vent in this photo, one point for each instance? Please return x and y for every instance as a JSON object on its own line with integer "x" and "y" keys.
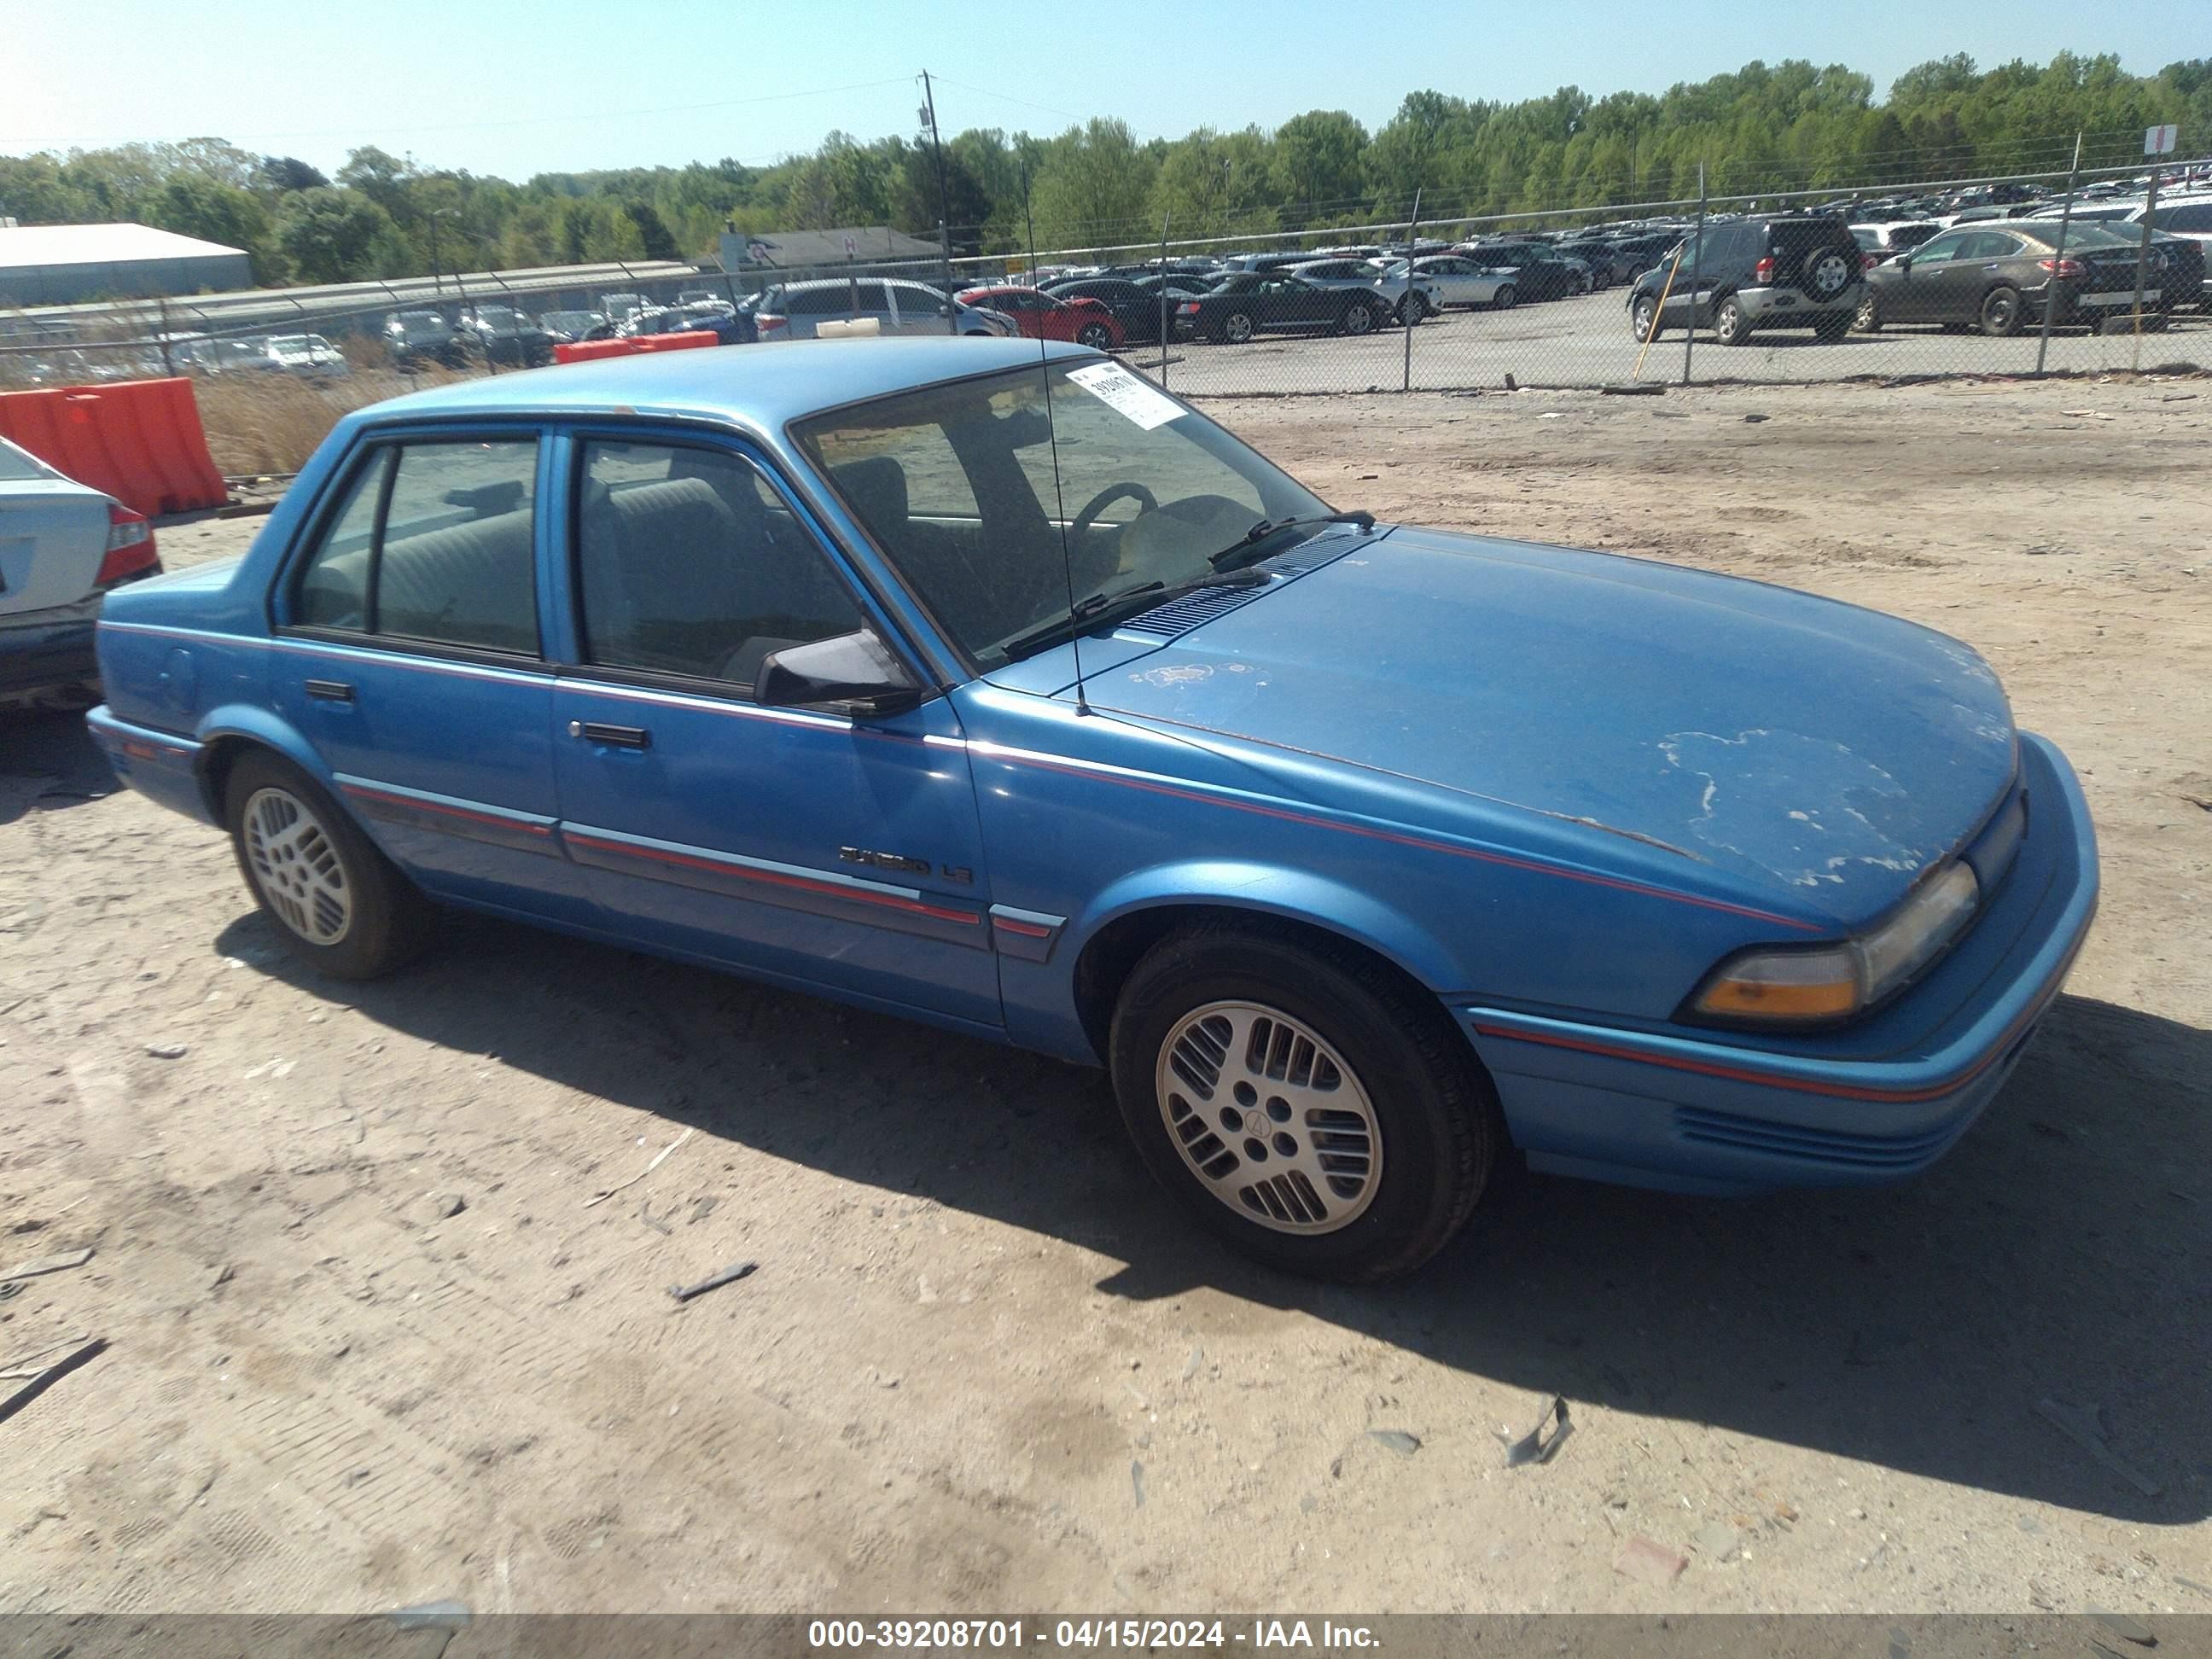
{"x": 1181, "y": 615}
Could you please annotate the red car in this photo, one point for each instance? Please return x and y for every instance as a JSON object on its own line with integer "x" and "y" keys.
{"x": 1045, "y": 316}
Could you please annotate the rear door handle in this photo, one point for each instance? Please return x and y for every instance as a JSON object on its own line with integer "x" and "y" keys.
{"x": 614, "y": 737}
{"x": 329, "y": 691}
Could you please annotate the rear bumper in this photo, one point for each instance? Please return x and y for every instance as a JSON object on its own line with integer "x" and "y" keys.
{"x": 1879, "y": 1102}
{"x": 1780, "y": 306}
{"x": 160, "y": 765}
{"x": 42, "y": 657}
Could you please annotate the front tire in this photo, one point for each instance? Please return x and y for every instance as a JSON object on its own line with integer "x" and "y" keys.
{"x": 2001, "y": 313}
{"x": 337, "y": 902}
{"x": 1096, "y": 336}
{"x": 1302, "y": 1101}
{"x": 1643, "y": 320}
{"x": 1503, "y": 298}
{"x": 1867, "y": 318}
{"x": 1358, "y": 318}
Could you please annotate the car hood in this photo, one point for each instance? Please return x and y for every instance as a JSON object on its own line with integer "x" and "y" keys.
{"x": 1797, "y": 743}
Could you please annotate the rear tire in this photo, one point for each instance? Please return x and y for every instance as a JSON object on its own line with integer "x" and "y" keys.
{"x": 1410, "y": 1127}
{"x": 1237, "y": 328}
{"x": 335, "y": 901}
{"x": 1731, "y": 326}
{"x": 1414, "y": 309}
{"x": 1833, "y": 327}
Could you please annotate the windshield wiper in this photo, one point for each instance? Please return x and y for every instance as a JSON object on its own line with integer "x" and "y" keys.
{"x": 1101, "y": 610}
{"x": 1245, "y": 551}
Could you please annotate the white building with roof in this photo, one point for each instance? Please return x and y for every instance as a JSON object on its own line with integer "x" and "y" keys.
{"x": 64, "y": 264}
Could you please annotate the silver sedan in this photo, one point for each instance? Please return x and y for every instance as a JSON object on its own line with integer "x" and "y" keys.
{"x": 1456, "y": 280}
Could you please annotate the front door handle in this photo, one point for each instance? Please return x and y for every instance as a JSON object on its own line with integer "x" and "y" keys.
{"x": 613, "y": 736}
{"x": 329, "y": 691}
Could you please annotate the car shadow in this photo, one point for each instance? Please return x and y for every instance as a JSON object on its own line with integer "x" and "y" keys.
{"x": 2059, "y": 1254}
{"x": 49, "y": 760}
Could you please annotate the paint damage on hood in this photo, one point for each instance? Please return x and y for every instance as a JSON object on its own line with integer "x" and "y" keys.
{"x": 1795, "y": 742}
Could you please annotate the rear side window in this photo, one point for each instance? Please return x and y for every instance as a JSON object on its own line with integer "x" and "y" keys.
{"x": 689, "y": 563}
{"x": 434, "y": 542}
{"x": 2195, "y": 218}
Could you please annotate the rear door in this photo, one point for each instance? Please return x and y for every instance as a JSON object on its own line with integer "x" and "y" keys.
{"x": 810, "y": 846}
{"x": 919, "y": 310}
{"x": 409, "y": 657}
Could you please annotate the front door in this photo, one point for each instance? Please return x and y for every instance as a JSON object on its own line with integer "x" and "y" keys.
{"x": 408, "y": 655}
{"x": 1917, "y": 295}
{"x": 810, "y": 846}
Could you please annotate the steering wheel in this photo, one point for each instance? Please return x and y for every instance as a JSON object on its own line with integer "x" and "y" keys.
{"x": 1106, "y": 498}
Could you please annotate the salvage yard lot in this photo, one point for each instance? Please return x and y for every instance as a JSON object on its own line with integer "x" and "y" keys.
{"x": 384, "y": 1268}
{"x": 1585, "y": 343}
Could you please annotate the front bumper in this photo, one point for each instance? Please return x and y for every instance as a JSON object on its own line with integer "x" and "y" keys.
{"x": 1876, "y": 1102}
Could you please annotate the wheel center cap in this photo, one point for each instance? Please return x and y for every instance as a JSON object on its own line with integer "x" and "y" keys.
{"x": 1256, "y": 1122}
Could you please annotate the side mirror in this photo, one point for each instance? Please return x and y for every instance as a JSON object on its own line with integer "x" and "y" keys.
{"x": 1904, "y": 262}
{"x": 851, "y": 668}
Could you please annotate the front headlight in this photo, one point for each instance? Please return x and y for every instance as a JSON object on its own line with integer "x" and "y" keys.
{"x": 1834, "y": 981}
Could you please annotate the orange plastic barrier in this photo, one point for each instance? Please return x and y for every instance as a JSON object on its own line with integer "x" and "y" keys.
{"x": 139, "y": 440}
{"x": 585, "y": 351}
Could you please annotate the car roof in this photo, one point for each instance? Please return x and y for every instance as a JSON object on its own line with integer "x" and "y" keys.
{"x": 761, "y": 386}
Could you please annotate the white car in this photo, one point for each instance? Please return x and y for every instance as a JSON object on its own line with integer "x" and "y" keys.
{"x": 310, "y": 357}
{"x": 791, "y": 310}
{"x": 1357, "y": 273}
{"x": 1457, "y": 280}
{"x": 63, "y": 545}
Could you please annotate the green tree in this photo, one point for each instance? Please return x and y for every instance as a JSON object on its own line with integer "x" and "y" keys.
{"x": 1092, "y": 188}
{"x": 193, "y": 204}
{"x": 333, "y": 235}
{"x": 1317, "y": 163}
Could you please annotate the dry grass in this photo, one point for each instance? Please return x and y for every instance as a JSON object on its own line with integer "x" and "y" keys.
{"x": 268, "y": 423}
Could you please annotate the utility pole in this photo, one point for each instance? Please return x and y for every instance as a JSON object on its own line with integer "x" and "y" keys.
{"x": 2058, "y": 258}
{"x": 943, "y": 203}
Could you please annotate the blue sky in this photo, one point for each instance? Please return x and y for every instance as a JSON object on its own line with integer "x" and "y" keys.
{"x": 564, "y": 85}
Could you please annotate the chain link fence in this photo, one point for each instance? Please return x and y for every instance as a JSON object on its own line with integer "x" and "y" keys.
{"x": 2045, "y": 273}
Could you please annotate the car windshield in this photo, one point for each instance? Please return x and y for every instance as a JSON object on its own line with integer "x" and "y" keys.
{"x": 956, "y": 485}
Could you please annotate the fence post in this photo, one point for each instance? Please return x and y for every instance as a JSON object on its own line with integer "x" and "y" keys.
{"x": 1405, "y": 312}
{"x": 2059, "y": 257}
{"x": 169, "y": 361}
{"x": 1696, "y": 256}
{"x": 944, "y": 260}
{"x": 2142, "y": 258}
{"x": 1165, "y": 219}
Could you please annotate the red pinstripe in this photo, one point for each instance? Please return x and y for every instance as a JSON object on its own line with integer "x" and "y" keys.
{"x": 1504, "y": 859}
{"x": 890, "y": 900}
{"x": 527, "y": 827}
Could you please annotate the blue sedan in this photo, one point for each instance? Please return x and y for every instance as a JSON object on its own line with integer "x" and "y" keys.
{"x": 981, "y": 682}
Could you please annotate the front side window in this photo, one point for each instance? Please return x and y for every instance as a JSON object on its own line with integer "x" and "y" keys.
{"x": 432, "y": 542}
{"x": 688, "y": 562}
{"x": 957, "y": 485}
{"x": 1942, "y": 247}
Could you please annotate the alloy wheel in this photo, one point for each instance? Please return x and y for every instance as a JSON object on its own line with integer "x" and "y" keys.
{"x": 1269, "y": 1118}
{"x": 296, "y": 865}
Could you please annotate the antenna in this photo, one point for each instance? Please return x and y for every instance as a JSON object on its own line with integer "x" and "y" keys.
{"x": 1058, "y": 503}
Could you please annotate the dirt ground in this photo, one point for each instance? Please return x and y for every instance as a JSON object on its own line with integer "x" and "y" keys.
{"x": 374, "y": 1339}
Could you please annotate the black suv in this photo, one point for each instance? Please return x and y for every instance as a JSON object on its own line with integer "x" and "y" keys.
{"x": 1778, "y": 271}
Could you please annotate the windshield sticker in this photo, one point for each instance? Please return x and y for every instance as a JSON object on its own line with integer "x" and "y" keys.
{"x": 1126, "y": 395}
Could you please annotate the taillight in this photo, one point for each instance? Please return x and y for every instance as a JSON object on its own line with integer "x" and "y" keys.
{"x": 129, "y": 546}
{"x": 1188, "y": 308}
{"x": 1763, "y": 272}
{"x": 1868, "y": 261}
{"x": 2062, "y": 267}
{"x": 765, "y": 320}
